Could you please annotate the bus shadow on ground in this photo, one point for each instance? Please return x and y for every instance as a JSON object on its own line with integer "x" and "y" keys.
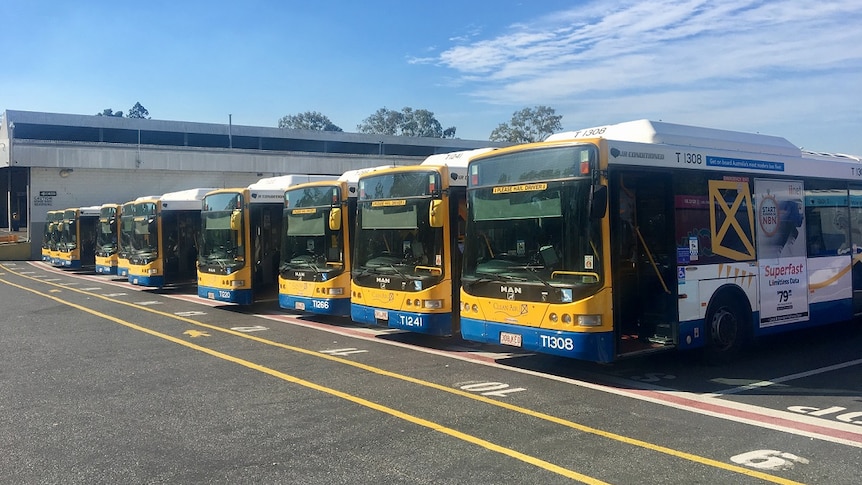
{"x": 805, "y": 356}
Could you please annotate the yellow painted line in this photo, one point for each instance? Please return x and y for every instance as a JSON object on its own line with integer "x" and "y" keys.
{"x": 476, "y": 397}
{"x": 532, "y": 460}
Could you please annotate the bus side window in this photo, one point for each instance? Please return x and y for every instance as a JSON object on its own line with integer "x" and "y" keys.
{"x": 814, "y": 231}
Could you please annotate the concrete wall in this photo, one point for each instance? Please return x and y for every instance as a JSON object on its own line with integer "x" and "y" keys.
{"x": 60, "y": 155}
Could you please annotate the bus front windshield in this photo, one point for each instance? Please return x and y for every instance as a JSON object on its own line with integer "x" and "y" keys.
{"x": 56, "y": 233}
{"x": 145, "y": 241}
{"x": 127, "y": 230}
{"x": 394, "y": 237}
{"x": 221, "y": 238}
{"x": 68, "y": 232}
{"x": 107, "y": 236}
{"x": 49, "y": 227}
{"x": 308, "y": 243}
{"x": 535, "y": 231}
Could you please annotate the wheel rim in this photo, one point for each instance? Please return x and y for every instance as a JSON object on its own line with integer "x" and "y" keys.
{"x": 724, "y": 328}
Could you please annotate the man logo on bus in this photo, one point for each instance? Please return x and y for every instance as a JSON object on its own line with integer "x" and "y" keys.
{"x": 768, "y": 215}
{"x": 510, "y": 291}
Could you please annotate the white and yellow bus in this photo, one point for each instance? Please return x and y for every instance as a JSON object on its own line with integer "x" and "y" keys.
{"x": 645, "y": 236}
{"x": 407, "y": 259}
{"x": 164, "y": 242}
{"x": 240, "y": 240}
{"x": 51, "y": 235}
{"x": 318, "y": 234}
{"x": 108, "y": 239}
{"x": 76, "y": 247}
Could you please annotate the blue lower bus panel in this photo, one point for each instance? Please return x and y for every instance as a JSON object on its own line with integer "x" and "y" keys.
{"x": 103, "y": 269}
{"x": 428, "y": 323}
{"x": 321, "y": 306}
{"x": 240, "y": 297}
{"x": 593, "y": 346}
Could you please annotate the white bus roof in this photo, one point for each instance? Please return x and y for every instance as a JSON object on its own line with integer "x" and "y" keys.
{"x": 457, "y": 162}
{"x": 659, "y": 132}
{"x": 189, "y": 199}
{"x": 272, "y": 189}
{"x": 92, "y": 210}
{"x": 284, "y": 181}
{"x": 351, "y": 177}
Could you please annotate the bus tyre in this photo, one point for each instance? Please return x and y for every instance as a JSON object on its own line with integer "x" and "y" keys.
{"x": 726, "y": 324}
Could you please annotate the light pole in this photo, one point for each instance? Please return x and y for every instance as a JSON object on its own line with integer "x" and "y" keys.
{"x": 9, "y": 179}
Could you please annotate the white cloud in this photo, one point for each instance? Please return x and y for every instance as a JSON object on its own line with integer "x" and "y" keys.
{"x": 734, "y": 59}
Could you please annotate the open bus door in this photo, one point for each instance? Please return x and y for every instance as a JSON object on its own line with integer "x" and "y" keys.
{"x": 644, "y": 262}
{"x": 856, "y": 244}
{"x": 265, "y": 228}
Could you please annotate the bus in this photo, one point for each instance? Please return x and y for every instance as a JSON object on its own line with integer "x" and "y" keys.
{"x": 644, "y": 236}
{"x": 107, "y": 239}
{"x": 407, "y": 259}
{"x": 164, "y": 242}
{"x": 77, "y": 244}
{"x": 240, "y": 240}
{"x": 127, "y": 230}
{"x": 319, "y": 218}
{"x": 51, "y": 235}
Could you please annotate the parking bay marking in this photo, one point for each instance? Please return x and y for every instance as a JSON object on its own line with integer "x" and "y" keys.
{"x": 192, "y": 313}
{"x": 343, "y": 352}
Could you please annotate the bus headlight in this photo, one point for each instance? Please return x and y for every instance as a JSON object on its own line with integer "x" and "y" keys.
{"x": 590, "y": 320}
{"x": 432, "y": 304}
{"x": 237, "y": 283}
{"x": 335, "y": 291}
{"x": 153, "y": 271}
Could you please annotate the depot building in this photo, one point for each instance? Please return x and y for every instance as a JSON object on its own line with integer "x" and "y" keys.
{"x": 51, "y": 161}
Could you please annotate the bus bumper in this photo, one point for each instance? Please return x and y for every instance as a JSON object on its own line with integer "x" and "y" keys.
{"x": 70, "y": 263}
{"x": 103, "y": 269}
{"x": 320, "y": 306}
{"x": 240, "y": 297}
{"x": 427, "y": 323}
{"x": 144, "y": 280}
{"x": 592, "y": 346}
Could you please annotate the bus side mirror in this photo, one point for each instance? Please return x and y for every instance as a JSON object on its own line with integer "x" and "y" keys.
{"x": 599, "y": 204}
{"x": 335, "y": 219}
{"x": 236, "y": 220}
{"x": 436, "y": 214}
{"x": 236, "y": 225}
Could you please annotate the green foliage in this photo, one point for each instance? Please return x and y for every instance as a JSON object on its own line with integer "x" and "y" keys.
{"x": 110, "y": 112}
{"x": 407, "y": 122}
{"x": 138, "y": 111}
{"x": 309, "y": 120}
{"x": 528, "y": 125}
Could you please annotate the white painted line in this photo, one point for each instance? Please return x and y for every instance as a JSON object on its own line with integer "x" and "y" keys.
{"x": 791, "y": 377}
{"x": 343, "y": 352}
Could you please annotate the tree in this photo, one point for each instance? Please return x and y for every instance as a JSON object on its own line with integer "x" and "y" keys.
{"x": 528, "y": 125}
{"x": 138, "y": 111}
{"x": 407, "y": 122}
{"x": 110, "y": 112}
{"x": 310, "y": 120}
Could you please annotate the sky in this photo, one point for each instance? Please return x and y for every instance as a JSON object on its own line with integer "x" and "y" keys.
{"x": 786, "y": 68}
